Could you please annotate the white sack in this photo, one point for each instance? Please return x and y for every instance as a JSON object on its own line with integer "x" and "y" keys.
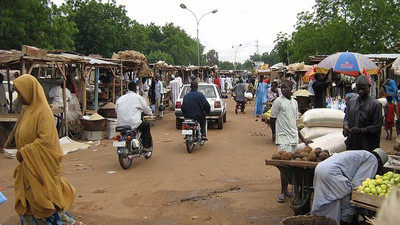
{"x": 334, "y": 142}
{"x": 248, "y": 95}
{"x": 323, "y": 118}
{"x": 316, "y": 132}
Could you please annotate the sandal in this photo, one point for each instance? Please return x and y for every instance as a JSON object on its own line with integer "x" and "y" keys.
{"x": 288, "y": 194}
{"x": 281, "y": 198}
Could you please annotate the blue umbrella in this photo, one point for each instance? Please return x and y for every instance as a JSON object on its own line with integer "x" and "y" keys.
{"x": 348, "y": 63}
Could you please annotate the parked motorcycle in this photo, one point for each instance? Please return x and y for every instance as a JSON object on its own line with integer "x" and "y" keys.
{"x": 191, "y": 130}
{"x": 129, "y": 145}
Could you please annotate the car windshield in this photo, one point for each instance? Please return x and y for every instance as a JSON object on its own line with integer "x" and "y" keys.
{"x": 207, "y": 90}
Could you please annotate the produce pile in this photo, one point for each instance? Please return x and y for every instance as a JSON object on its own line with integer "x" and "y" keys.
{"x": 306, "y": 154}
{"x": 381, "y": 185}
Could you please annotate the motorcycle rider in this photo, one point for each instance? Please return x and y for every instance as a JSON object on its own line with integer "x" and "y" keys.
{"x": 195, "y": 106}
{"x": 129, "y": 108}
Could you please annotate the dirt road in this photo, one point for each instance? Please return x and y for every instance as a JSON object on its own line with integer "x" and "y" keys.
{"x": 225, "y": 181}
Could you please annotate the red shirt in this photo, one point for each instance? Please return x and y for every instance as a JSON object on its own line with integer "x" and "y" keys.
{"x": 217, "y": 82}
{"x": 390, "y": 113}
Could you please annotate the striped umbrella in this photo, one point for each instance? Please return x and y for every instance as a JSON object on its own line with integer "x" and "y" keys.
{"x": 348, "y": 63}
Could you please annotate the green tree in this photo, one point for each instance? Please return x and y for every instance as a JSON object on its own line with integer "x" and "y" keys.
{"x": 178, "y": 44}
{"x": 103, "y": 27}
{"x": 282, "y": 47}
{"x": 212, "y": 58}
{"x": 372, "y": 26}
{"x": 34, "y": 22}
{"x": 225, "y": 65}
{"x": 158, "y": 55}
{"x": 62, "y": 32}
{"x": 268, "y": 58}
{"x": 363, "y": 26}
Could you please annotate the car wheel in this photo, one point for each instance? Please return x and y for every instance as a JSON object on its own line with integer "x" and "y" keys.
{"x": 224, "y": 120}
{"x": 220, "y": 122}
{"x": 178, "y": 123}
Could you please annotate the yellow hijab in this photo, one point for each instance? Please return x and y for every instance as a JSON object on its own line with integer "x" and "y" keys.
{"x": 38, "y": 186}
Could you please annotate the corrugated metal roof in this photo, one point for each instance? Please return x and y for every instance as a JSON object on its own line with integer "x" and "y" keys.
{"x": 383, "y": 56}
{"x": 92, "y": 61}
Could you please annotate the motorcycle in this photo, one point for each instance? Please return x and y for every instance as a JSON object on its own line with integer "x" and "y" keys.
{"x": 192, "y": 131}
{"x": 129, "y": 145}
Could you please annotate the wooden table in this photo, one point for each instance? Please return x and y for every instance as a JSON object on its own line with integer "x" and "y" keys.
{"x": 9, "y": 117}
{"x": 300, "y": 174}
{"x": 7, "y": 124}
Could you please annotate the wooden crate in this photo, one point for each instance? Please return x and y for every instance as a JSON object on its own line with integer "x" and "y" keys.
{"x": 371, "y": 202}
{"x": 33, "y": 51}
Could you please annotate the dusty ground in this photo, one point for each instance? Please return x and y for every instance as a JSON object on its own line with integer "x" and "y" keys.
{"x": 225, "y": 181}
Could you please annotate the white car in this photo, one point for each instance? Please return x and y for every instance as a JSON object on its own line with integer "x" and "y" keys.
{"x": 214, "y": 98}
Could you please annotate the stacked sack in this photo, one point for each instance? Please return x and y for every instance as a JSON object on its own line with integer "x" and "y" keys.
{"x": 324, "y": 127}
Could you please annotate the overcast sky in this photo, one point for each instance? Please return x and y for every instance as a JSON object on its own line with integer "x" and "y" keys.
{"x": 236, "y": 22}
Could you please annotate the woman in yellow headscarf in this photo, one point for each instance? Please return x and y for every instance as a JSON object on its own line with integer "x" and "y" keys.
{"x": 42, "y": 196}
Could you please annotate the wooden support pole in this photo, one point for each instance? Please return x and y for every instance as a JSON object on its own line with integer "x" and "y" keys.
{"x": 10, "y": 92}
{"x": 379, "y": 86}
{"x": 113, "y": 87}
{"x": 30, "y": 68}
{"x": 83, "y": 89}
{"x": 61, "y": 68}
{"x": 121, "y": 80}
{"x": 23, "y": 71}
{"x": 96, "y": 90}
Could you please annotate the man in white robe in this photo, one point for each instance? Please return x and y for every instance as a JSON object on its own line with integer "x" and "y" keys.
{"x": 229, "y": 85}
{"x": 223, "y": 84}
{"x": 175, "y": 89}
{"x": 179, "y": 80}
{"x": 337, "y": 176}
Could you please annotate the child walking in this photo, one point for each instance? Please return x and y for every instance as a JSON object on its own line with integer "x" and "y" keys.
{"x": 389, "y": 117}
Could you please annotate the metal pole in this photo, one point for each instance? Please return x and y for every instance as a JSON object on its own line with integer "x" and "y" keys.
{"x": 183, "y": 6}
{"x": 96, "y": 89}
{"x": 234, "y": 65}
{"x": 198, "y": 43}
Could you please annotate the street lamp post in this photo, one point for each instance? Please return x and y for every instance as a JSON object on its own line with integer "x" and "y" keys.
{"x": 235, "y": 54}
{"x": 183, "y": 6}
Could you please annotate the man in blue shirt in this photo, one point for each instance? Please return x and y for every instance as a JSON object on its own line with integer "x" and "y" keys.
{"x": 195, "y": 106}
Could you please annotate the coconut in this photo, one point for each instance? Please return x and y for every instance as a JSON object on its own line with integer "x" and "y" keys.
{"x": 317, "y": 151}
{"x": 323, "y": 156}
{"x": 287, "y": 156}
{"x": 281, "y": 152}
{"x": 296, "y": 154}
{"x": 304, "y": 154}
{"x": 307, "y": 149}
{"x": 305, "y": 159}
{"x": 312, "y": 157}
{"x": 276, "y": 156}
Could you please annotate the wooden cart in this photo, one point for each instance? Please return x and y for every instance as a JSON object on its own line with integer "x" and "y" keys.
{"x": 300, "y": 174}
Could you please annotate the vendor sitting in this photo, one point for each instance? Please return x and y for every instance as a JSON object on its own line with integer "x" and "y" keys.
{"x": 335, "y": 178}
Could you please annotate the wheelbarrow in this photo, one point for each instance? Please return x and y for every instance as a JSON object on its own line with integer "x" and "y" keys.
{"x": 300, "y": 174}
